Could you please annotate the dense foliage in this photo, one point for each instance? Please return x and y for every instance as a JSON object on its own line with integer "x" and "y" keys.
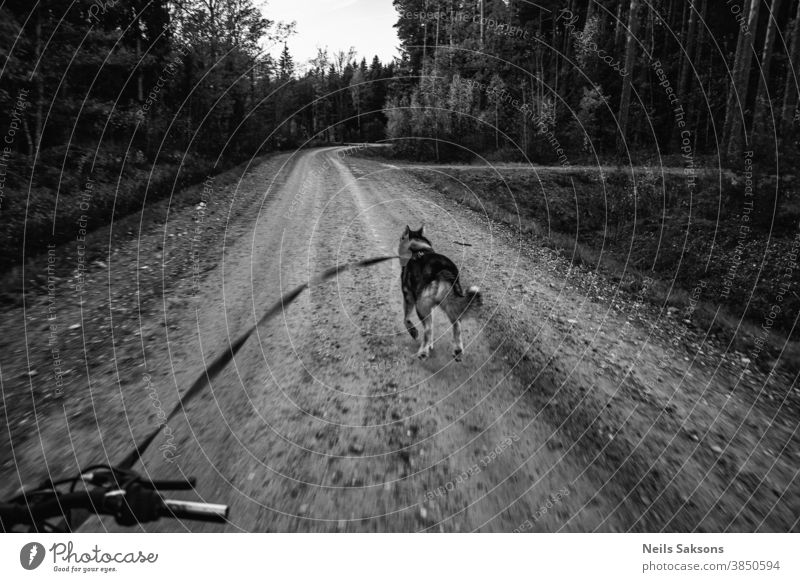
{"x": 108, "y": 103}
{"x": 563, "y": 81}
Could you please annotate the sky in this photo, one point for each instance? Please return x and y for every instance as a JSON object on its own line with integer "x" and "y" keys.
{"x": 366, "y": 25}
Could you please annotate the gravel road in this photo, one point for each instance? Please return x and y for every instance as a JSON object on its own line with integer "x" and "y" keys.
{"x": 576, "y": 408}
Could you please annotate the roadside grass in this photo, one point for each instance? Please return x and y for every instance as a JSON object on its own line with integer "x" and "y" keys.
{"x": 43, "y": 206}
{"x": 109, "y": 225}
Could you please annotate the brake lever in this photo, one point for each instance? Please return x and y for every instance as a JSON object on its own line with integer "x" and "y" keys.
{"x": 110, "y": 477}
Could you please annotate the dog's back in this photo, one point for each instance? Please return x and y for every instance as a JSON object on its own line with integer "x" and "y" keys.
{"x": 426, "y": 267}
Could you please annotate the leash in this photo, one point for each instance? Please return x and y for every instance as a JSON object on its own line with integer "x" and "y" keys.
{"x": 222, "y": 360}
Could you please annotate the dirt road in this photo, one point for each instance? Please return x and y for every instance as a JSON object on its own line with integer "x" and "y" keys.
{"x": 569, "y": 412}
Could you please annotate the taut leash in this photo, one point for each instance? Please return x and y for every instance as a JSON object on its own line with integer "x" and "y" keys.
{"x": 222, "y": 360}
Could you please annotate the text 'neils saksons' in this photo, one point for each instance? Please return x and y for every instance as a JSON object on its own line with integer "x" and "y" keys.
{"x": 681, "y": 549}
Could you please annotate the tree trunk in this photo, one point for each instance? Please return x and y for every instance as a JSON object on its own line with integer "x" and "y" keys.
{"x": 699, "y": 62}
{"x": 496, "y": 126}
{"x": 618, "y": 27}
{"x": 737, "y": 97}
{"x": 481, "y": 1}
{"x": 730, "y": 101}
{"x": 524, "y": 122}
{"x": 762, "y": 94}
{"x": 603, "y": 23}
{"x": 139, "y": 73}
{"x": 556, "y": 63}
{"x": 630, "y": 59}
{"x": 424, "y": 39}
{"x": 435, "y": 73}
{"x": 790, "y": 93}
{"x": 452, "y": 24}
{"x": 701, "y": 33}
{"x": 682, "y": 36}
{"x": 28, "y": 138}
{"x": 686, "y": 65}
{"x": 590, "y": 10}
{"x": 38, "y": 80}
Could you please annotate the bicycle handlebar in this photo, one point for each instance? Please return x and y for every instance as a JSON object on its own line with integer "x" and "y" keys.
{"x": 119, "y": 493}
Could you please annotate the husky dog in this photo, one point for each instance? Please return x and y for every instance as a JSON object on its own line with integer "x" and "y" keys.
{"x": 429, "y": 280}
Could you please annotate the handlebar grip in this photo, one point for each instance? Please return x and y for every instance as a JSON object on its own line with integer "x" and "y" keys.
{"x": 210, "y": 512}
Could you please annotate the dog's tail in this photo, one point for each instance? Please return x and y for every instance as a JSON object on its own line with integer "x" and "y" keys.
{"x": 457, "y": 306}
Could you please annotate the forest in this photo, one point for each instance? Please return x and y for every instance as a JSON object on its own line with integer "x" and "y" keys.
{"x": 133, "y": 99}
{"x": 580, "y": 80}
{"x": 149, "y": 95}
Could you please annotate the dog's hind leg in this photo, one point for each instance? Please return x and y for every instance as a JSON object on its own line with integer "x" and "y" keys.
{"x": 459, "y": 345}
{"x": 409, "y": 311}
{"x": 451, "y": 308}
{"x": 425, "y": 314}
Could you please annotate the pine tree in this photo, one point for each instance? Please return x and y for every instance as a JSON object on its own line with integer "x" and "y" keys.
{"x": 286, "y": 63}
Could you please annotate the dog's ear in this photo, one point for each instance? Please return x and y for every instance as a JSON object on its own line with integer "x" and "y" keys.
{"x": 407, "y": 230}
{"x": 420, "y": 228}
